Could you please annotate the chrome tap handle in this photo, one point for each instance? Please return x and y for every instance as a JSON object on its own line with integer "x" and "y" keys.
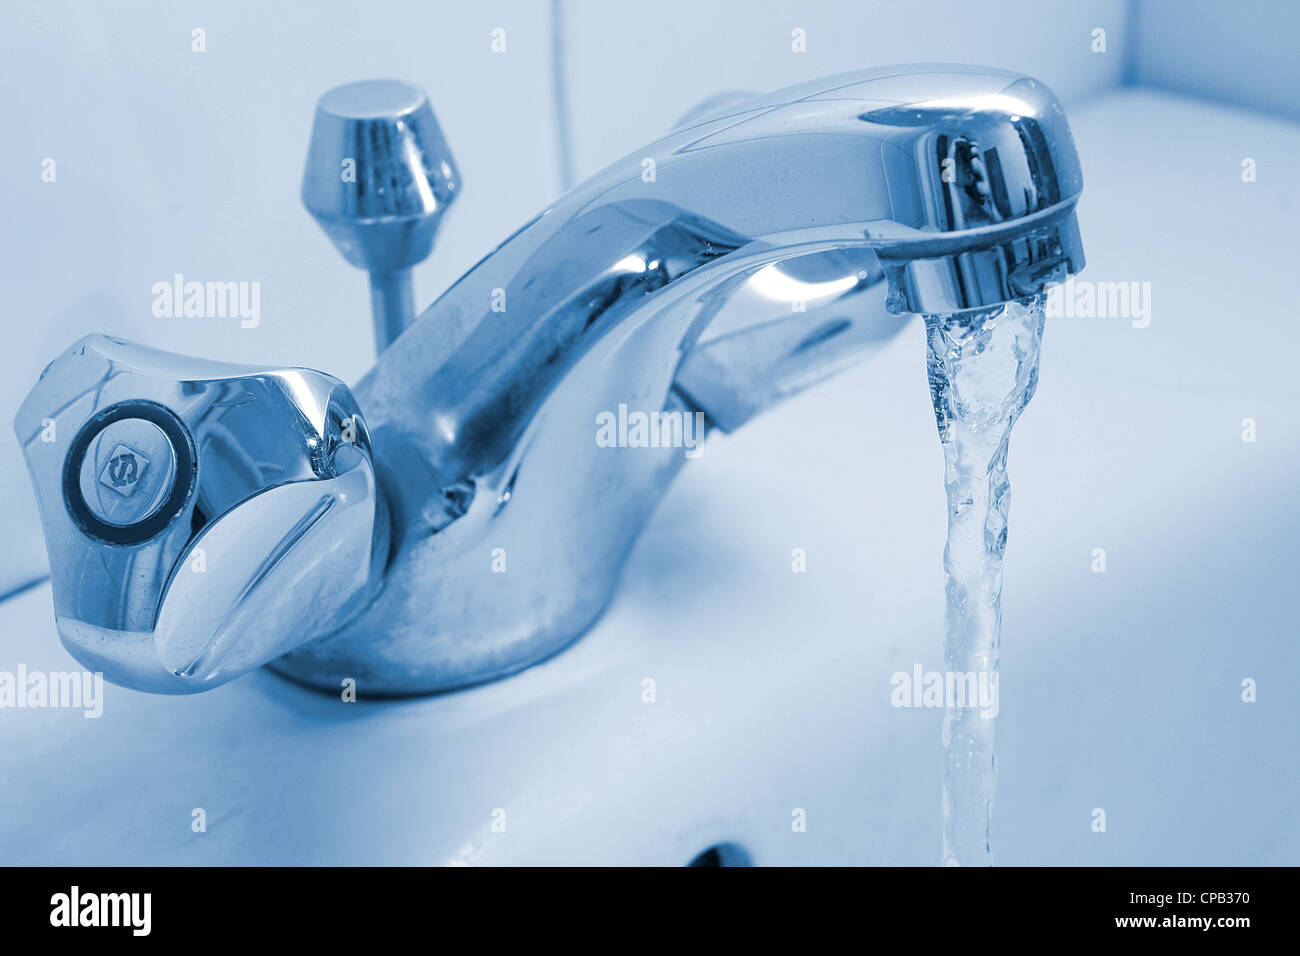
{"x": 379, "y": 178}
{"x": 201, "y": 518}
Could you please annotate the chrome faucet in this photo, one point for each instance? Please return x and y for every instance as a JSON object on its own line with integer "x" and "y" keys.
{"x": 459, "y": 516}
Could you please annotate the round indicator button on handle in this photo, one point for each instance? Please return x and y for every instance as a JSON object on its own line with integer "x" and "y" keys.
{"x": 129, "y": 472}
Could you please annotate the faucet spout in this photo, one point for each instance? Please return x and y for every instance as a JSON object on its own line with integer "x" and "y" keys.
{"x": 719, "y": 270}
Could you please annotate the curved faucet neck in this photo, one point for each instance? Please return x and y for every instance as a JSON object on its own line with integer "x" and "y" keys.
{"x": 715, "y": 272}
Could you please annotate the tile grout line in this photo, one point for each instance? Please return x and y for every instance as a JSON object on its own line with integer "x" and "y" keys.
{"x": 560, "y": 97}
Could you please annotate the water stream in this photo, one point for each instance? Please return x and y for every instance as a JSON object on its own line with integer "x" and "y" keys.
{"x": 983, "y": 367}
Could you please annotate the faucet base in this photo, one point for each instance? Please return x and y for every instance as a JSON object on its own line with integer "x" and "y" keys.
{"x": 410, "y": 664}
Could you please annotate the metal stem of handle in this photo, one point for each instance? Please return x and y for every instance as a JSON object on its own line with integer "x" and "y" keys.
{"x": 392, "y": 302}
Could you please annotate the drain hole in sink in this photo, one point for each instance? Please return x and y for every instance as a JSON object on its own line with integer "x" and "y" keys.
{"x": 722, "y": 854}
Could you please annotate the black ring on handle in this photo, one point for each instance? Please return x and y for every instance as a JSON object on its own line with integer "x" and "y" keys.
{"x": 182, "y": 484}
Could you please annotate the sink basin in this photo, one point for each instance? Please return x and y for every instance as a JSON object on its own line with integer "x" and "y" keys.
{"x": 770, "y": 687}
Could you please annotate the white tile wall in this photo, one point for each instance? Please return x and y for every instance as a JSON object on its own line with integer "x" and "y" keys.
{"x": 1242, "y": 53}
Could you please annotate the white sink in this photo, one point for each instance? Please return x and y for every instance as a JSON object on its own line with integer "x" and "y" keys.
{"x": 1120, "y": 690}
